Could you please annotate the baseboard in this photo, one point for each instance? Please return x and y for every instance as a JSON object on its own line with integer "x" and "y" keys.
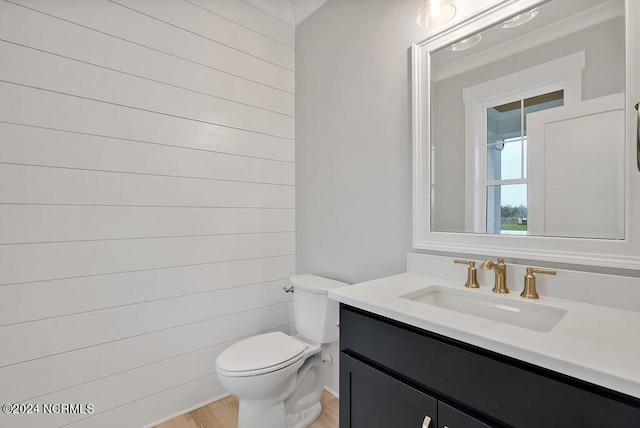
{"x": 332, "y": 392}
{"x": 207, "y": 402}
{"x": 190, "y": 409}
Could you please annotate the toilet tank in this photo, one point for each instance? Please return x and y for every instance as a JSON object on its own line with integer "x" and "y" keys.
{"x": 315, "y": 315}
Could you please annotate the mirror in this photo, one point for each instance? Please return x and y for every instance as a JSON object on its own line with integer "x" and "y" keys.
{"x": 485, "y": 105}
{"x": 521, "y": 131}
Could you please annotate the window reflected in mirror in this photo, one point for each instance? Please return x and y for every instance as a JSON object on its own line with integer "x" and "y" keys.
{"x": 506, "y": 160}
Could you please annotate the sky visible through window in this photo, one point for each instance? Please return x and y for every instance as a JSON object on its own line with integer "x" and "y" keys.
{"x": 514, "y": 195}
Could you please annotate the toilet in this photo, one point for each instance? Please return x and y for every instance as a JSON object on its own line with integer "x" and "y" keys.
{"x": 277, "y": 378}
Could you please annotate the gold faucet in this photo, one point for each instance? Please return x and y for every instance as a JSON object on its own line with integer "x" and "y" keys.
{"x": 529, "y": 291}
{"x": 500, "y": 269}
{"x": 472, "y": 278}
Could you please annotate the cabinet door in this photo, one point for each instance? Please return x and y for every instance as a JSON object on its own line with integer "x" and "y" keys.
{"x": 448, "y": 417}
{"x": 372, "y": 399}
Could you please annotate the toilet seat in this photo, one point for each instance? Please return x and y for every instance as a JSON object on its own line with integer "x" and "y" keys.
{"x": 260, "y": 354}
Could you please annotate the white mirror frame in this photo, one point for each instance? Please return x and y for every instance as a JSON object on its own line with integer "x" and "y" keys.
{"x": 623, "y": 254}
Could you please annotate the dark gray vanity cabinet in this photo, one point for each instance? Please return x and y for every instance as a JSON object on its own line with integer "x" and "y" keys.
{"x": 379, "y": 400}
{"x": 393, "y": 375}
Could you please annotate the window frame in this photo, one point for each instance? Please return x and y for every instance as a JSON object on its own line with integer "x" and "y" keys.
{"x": 482, "y": 152}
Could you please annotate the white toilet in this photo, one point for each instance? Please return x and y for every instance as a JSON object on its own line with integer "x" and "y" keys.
{"x": 279, "y": 379}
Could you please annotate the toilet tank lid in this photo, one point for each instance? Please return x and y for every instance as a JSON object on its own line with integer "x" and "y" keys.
{"x": 314, "y": 283}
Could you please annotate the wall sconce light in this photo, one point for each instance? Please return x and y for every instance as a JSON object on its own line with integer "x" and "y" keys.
{"x": 435, "y": 13}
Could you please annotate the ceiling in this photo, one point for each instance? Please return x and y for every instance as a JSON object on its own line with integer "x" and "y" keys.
{"x": 303, "y": 8}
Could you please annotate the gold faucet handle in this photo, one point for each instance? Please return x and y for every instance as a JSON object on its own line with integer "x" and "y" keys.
{"x": 540, "y": 270}
{"x": 472, "y": 273}
{"x": 529, "y": 291}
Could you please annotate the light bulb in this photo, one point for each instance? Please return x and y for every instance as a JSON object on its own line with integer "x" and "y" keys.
{"x": 435, "y": 13}
{"x": 435, "y": 8}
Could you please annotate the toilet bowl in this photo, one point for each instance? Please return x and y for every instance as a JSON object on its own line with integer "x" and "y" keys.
{"x": 277, "y": 378}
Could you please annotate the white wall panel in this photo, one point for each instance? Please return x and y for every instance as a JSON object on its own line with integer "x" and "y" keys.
{"x": 173, "y": 402}
{"x": 131, "y": 385}
{"x": 101, "y": 326}
{"x": 30, "y": 106}
{"x": 50, "y": 298}
{"x": 250, "y": 17}
{"x": 76, "y": 43}
{"x": 56, "y": 223}
{"x": 37, "y": 146}
{"x": 34, "y": 378}
{"x": 37, "y": 262}
{"x": 115, "y": 20}
{"x": 43, "y": 185}
{"x": 276, "y": 8}
{"x": 146, "y": 200}
{"x": 216, "y": 28}
{"x": 24, "y": 66}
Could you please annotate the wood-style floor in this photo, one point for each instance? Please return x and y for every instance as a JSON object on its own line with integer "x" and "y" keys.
{"x": 224, "y": 414}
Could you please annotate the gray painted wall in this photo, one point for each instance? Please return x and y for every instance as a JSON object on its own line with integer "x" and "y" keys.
{"x": 353, "y": 138}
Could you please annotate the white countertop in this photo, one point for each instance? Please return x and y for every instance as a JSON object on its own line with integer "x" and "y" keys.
{"x": 594, "y": 343}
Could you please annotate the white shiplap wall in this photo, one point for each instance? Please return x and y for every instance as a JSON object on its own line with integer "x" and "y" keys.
{"x": 146, "y": 200}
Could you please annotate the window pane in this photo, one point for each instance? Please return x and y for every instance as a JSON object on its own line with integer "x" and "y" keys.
{"x": 504, "y": 122}
{"x": 504, "y": 151}
{"x": 507, "y": 209}
{"x": 504, "y": 161}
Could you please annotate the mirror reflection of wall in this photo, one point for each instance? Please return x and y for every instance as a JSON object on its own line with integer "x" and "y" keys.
{"x": 490, "y": 190}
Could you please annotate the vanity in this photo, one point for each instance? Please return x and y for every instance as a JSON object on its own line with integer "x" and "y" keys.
{"x": 405, "y": 355}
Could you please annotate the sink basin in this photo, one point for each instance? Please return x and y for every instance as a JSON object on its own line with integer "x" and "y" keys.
{"x": 533, "y": 316}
